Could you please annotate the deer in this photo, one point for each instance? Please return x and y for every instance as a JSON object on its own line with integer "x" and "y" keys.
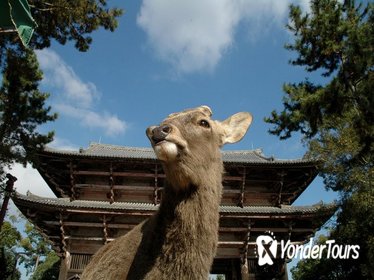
{"x": 180, "y": 240}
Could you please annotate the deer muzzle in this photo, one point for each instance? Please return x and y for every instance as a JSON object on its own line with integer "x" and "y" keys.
{"x": 158, "y": 134}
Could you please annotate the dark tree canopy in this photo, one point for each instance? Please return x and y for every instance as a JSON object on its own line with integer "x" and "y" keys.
{"x": 32, "y": 250}
{"x": 22, "y": 104}
{"x": 48, "y": 269}
{"x": 71, "y": 21}
{"x": 354, "y": 226}
{"x": 65, "y": 21}
{"x": 22, "y": 108}
{"x": 336, "y": 40}
{"x": 336, "y": 118}
{"x": 9, "y": 238}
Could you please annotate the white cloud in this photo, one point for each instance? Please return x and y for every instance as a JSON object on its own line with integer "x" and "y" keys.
{"x": 111, "y": 124}
{"x": 194, "y": 35}
{"x": 61, "y": 76}
{"x": 63, "y": 144}
{"x": 29, "y": 179}
{"x": 76, "y": 98}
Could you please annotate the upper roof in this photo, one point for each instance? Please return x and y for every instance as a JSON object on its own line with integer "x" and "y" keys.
{"x": 97, "y": 150}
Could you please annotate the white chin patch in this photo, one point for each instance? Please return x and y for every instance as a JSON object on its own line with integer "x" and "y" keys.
{"x": 166, "y": 151}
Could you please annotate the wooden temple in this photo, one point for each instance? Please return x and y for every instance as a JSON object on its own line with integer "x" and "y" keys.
{"x": 104, "y": 191}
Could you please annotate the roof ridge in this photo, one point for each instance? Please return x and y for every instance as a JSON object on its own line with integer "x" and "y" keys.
{"x": 259, "y": 150}
{"x": 119, "y": 147}
{"x": 48, "y": 148}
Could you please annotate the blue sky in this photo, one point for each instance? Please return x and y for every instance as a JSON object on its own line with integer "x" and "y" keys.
{"x": 154, "y": 64}
{"x": 166, "y": 56}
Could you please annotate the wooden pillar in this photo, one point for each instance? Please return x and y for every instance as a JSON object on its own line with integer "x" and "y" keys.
{"x": 72, "y": 182}
{"x": 155, "y": 189}
{"x": 244, "y": 269}
{"x": 244, "y": 266}
{"x": 281, "y": 183}
{"x": 66, "y": 257}
{"x": 285, "y": 275}
{"x": 111, "y": 183}
{"x": 105, "y": 229}
{"x": 242, "y": 190}
{"x": 65, "y": 266}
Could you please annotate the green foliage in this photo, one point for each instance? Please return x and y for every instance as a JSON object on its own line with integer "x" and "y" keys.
{"x": 35, "y": 246}
{"x": 22, "y": 109}
{"x": 318, "y": 269}
{"x": 71, "y": 21}
{"x": 8, "y": 271}
{"x": 336, "y": 39}
{"x": 354, "y": 226}
{"x": 32, "y": 250}
{"x": 22, "y": 105}
{"x": 345, "y": 167}
{"x": 337, "y": 120}
{"x": 9, "y": 238}
{"x": 64, "y": 21}
{"x": 48, "y": 269}
{"x": 9, "y": 235}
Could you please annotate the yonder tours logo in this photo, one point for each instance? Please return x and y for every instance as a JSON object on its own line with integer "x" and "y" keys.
{"x": 267, "y": 250}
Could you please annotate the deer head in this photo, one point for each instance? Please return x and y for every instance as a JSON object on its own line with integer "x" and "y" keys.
{"x": 189, "y": 141}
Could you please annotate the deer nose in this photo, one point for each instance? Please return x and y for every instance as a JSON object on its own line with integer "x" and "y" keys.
{"x": 160, "y": 132}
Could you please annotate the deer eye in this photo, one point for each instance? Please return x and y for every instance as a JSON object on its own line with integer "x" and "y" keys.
{"x": 204, "y": 123}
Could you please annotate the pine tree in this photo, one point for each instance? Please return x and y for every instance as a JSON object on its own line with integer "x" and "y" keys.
{"x": 22, "y": 108}
{"x": 9, "y": 238}
{"x": 337, "y": 41}
{"x": 64, "y": 21}
{"x": 336, "y": 118}
{"x": 22, "y": 104}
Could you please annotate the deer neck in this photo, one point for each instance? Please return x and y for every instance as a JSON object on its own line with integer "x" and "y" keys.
{"x": 190, "y": 218}
{"x": 198, "y": 187}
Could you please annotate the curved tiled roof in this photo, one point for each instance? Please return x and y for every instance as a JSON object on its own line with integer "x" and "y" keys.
{"x": 65, "y": 203}
{"x": 97, "y": 150}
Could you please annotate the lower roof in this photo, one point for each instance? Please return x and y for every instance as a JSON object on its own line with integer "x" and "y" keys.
{"x": 84, "y": 226}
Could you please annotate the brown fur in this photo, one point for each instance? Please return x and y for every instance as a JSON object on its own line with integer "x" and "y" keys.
{"x": 180, "y": 240}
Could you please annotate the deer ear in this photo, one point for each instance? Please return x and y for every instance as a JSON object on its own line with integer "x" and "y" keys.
{"x": 235, "y": 127}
